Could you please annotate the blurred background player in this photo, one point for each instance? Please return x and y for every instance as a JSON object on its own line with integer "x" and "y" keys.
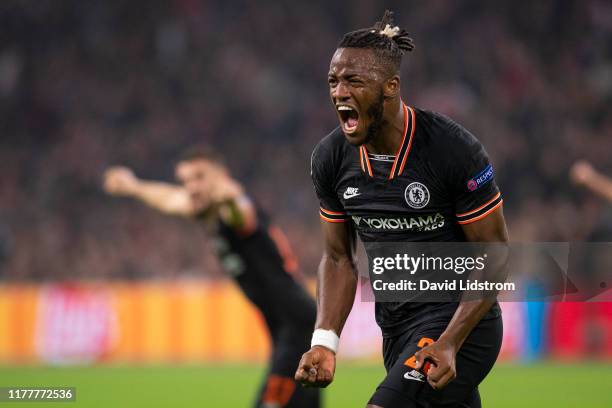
{"x": 252, "y": 251}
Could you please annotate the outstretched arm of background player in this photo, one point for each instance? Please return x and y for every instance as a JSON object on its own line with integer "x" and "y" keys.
{"x": 583, "y": 173}
{"x": 165, "y": 197}
{"x": 225, "y": 194}
{"x": 442, "y": 353}
{"x": 336, "y": 286}
{"x": 235, "y": 208}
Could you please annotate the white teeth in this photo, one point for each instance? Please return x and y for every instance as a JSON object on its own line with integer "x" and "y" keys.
{"x": 344, "y": 108}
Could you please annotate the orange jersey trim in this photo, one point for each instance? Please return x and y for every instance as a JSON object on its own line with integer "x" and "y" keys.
{"x": 481, "y": 207}
{"x": 483, "y": 215}
{"x": 331, "y": 212}
{"x": 399, "y": 150}
{"x": 413, "y": 116}
{"x": 290, "y": 261}
{"x": 324, "y": 218}
{"x": 364, "y": 157}
{"x": 361, "y": 160}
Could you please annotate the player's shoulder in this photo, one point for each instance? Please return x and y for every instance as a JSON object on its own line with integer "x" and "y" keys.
{"x": 332, "y": 142}
{"x": 443, "y": 133}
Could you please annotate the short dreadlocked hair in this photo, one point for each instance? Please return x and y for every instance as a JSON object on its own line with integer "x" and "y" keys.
{"x": 387, "y": 40}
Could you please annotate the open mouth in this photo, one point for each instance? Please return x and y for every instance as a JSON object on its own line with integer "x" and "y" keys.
{"x": 349, "y": 117}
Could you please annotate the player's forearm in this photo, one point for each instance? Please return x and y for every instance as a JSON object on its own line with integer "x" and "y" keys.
{"x": 466, "y": 317}
{"x": 336, "y": 286}
{"x": 601, "y": 185}
{"x": 474, "y": 305}
{"x": 164, "y": 197}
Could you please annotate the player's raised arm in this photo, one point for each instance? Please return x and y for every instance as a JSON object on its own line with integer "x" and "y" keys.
{"x": 583, "y": 174}
{"x": 165, "y": 197}
{"x": 336, "y": 286}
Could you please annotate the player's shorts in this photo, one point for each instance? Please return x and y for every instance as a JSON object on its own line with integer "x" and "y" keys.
{"x": 406, "y": 388}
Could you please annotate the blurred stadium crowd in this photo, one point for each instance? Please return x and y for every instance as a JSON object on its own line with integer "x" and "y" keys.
{"x": 84, "y": 85}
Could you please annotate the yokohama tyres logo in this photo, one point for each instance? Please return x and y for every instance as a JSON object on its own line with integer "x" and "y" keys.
{"x": 420, "y": 223}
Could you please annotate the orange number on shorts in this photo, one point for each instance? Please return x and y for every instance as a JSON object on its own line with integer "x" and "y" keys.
{"x": 425, "y": 341}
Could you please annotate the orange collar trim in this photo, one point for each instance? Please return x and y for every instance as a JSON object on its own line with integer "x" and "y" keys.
{"x": 402, "y": 152}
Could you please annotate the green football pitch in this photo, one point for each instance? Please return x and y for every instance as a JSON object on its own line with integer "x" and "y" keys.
{"x": 539, "y": 385}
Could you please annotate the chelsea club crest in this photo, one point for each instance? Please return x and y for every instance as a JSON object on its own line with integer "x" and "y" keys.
{"x": 416, "y": 195}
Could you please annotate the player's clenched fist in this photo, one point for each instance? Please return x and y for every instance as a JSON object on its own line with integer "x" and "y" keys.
{"x": 442, "y": 357}
{"x": 317, "y": 367}
{"x": 582, "y": 172}
{"x": 119, "y": 180}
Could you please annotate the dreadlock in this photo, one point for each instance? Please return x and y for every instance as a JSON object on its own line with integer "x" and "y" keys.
{"x": 388, "y": 41}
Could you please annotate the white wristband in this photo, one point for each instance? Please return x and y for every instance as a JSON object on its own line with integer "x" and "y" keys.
{"x": 325, "y": 338}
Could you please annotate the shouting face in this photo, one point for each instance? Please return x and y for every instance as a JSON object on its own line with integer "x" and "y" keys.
{"x": 358, "y": 88}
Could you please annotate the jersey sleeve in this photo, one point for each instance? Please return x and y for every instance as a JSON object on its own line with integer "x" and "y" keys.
{"x": 473, "y": 178}
{"x": 323, "y": 179}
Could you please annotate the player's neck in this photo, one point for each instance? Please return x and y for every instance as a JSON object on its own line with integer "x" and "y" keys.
{"x": 389, "y": 137}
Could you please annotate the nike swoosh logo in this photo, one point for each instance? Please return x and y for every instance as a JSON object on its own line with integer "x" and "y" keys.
{"x": 347, "y": 196}
{"x": 409, "y": 377}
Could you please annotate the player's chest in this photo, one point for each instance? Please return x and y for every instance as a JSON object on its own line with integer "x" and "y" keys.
{"x": 418, "y": 190}
{"x": 415, "y": 204}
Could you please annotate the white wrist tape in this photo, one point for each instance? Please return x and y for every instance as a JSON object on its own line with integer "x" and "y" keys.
{"x": 325, "y": 338}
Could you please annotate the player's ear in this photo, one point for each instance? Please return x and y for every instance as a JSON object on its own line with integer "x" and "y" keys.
{"x": 392, "y": 87}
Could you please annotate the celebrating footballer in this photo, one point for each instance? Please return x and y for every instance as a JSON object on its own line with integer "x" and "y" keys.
{"x": 391, "y": 160}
